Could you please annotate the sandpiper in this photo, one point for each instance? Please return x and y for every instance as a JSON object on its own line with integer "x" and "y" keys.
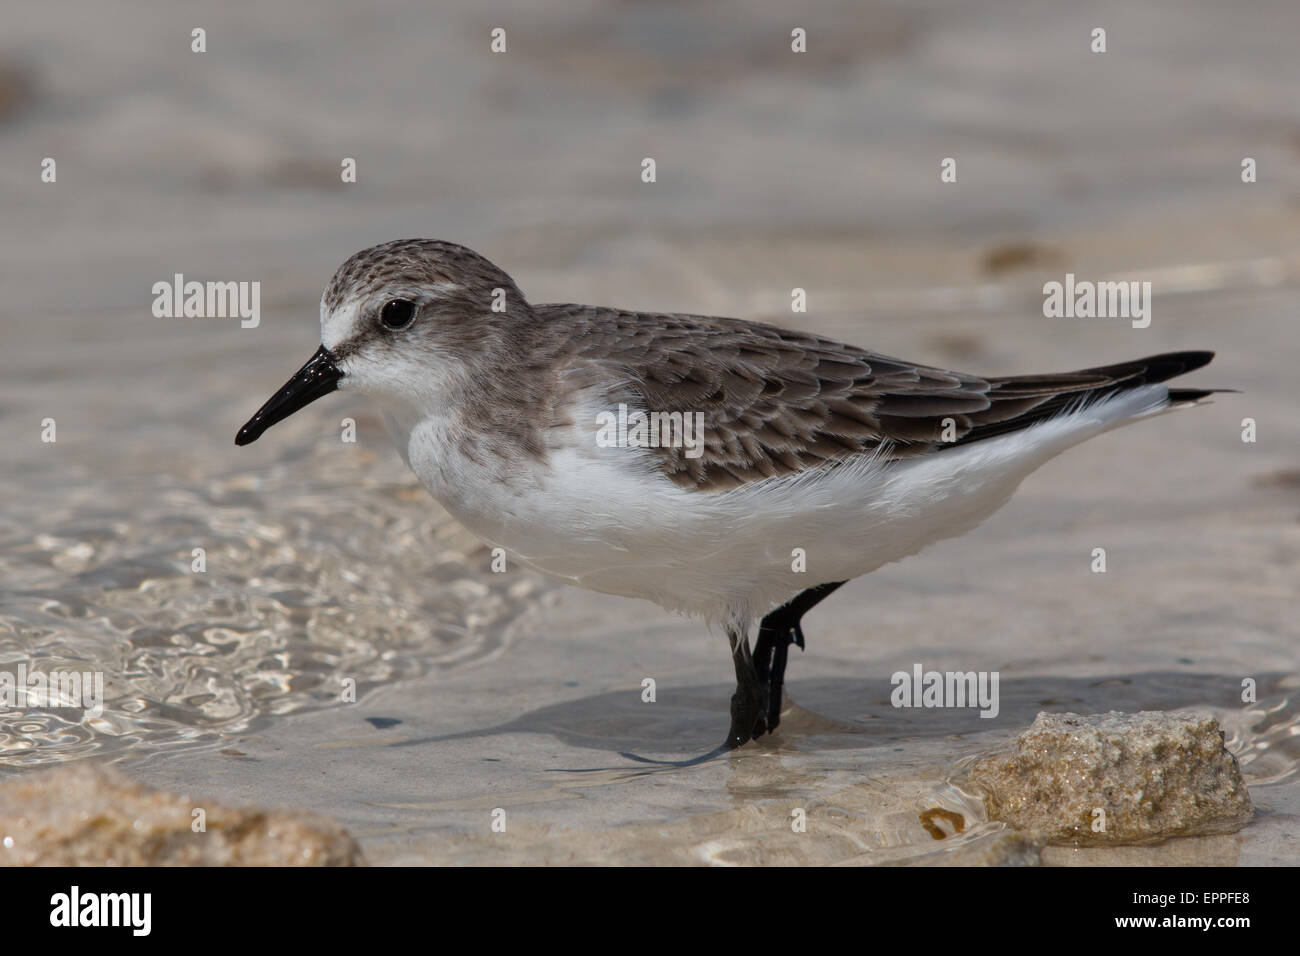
{"x": 817, "y": 461}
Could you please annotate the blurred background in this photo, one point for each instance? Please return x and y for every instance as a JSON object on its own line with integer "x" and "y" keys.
{"x": 775, "y": 170}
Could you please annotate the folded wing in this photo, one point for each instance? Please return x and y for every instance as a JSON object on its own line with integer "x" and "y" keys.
{"x": 777, "y": 401}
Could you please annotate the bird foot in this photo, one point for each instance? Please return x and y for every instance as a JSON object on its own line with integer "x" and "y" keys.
{"x": 748, "y": 720}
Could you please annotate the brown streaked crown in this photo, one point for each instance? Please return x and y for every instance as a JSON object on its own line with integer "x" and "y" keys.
{"x": 414, "y": 262}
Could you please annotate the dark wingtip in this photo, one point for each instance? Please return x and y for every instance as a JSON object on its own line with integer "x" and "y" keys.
{"x": 1160, "y": 368}
{"x": 1154, "y": 368}
{"x": 1170, "y": 364}
{"x": 1177, "y": 395}
{"x": 1194, "y": 360}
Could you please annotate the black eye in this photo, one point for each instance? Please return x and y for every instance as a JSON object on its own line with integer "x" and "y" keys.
{"x": 397, "y": 314}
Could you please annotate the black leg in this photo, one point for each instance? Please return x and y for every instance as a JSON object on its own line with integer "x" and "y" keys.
{"x": 778, "y": 631}
{"x": 747, "y": 701}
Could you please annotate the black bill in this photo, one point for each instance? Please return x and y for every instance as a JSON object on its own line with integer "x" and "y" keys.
{"x": 318, "y": 377}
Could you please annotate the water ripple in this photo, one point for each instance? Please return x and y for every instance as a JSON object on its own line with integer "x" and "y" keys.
{"x": 308, "y": 583}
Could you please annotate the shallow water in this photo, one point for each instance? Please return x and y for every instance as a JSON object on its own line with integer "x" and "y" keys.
{"x": 305, "y": 587}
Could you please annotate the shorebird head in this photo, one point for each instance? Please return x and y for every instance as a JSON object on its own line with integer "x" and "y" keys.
{"x": 408, "y": 322}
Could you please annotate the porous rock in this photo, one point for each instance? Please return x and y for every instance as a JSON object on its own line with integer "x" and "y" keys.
{"x": 91, "y": 815}
{"x": 1111, "y": 779}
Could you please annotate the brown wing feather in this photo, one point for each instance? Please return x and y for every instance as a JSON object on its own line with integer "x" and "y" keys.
{"x": 778, "y": 401}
